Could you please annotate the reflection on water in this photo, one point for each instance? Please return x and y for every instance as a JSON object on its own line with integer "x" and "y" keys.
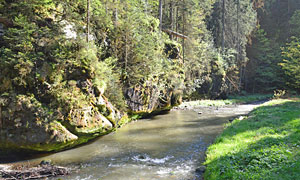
{"x": 169, "y": 146}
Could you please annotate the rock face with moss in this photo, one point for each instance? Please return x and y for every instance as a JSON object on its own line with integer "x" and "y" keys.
{"x": 151, "y": 97}
{"x": 26, "y": 124}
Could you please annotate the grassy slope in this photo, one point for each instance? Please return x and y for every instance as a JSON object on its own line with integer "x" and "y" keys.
{"x": 266, "y": 145}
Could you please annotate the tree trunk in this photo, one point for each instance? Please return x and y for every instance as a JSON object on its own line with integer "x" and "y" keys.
{"x": 289, "y": 7}
{"x": 238, "y": 42}
{"x": 160, "y": 14}
{"x": 237, "y": 30}
{"x": 289, "y": 10}
{"x": 171, "y": 15}
{"x": 183, "y": 32}
{"x": 223, "y": 25}
{"x": 88, "y": 21}
{"x": 1, "y": 124}
{"x": 106, "y": 9}
{"x": 146, "y": 6}
{"x": 115, "y": 11}
{"x": 176, "y": 23}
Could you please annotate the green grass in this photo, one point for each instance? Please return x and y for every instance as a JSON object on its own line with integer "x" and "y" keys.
{"x": 249, "y": 98}
{"x": 231, "y": 100}
{"x": 266, "y": 145}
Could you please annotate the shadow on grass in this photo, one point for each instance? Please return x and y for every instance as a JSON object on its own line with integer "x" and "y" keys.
{"x": 274, "y": 155}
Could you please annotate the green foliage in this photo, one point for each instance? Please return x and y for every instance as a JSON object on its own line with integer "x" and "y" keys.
{"x": 290, "y": 64}
{"x": 233, "y": 28}
{"x": 263, "y": 146}
{"x": 278, "y": 22}
{"x": 279, "y": 94}
{"x": 17, "y": 59}
{"x": 39, "y": 57}
{"x": 264, "y": 74}
{"x": 295, "y": 23}
{"x": 138, "y": 46}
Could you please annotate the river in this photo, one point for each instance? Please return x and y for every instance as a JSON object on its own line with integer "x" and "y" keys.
{"x": 170, "y": 146}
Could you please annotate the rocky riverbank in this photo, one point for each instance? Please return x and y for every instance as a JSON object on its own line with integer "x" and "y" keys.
{"x": 27, "y": 124}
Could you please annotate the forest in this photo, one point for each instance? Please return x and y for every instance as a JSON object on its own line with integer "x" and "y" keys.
{"x": 75, "y": 70}
{"x": 199, "y": 49}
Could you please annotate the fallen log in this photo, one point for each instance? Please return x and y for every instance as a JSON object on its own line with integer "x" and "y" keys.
{"x": 175, "y": 33}
{"x": 42, "y": 171}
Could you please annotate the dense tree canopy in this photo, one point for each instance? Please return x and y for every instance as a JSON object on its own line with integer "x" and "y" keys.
{"x": 200, "y": 48}
{"x": 278, "y": 23}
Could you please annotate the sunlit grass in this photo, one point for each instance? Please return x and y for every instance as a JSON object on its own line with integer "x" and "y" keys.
{"x": 266, "y": 145}
{"x": 230, "y": 101}
{"x": 206, "y": 103}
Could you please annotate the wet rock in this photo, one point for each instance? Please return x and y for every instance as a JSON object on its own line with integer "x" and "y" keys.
{"x": 200, "y": 170}
{"x": 141, "y": 157}
{"x": 45, "y": 162}
{"x": 242, "y": 118}
{"x": 231, "y": 119}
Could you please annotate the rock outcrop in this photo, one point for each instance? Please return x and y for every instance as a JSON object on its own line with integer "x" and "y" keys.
{"x": 150, "y": 97}
{"x": 27, "y": 124}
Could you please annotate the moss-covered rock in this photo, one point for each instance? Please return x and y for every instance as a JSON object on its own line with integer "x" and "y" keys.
{"x": 151, "y": 97}
{"x": 26, "y": 124}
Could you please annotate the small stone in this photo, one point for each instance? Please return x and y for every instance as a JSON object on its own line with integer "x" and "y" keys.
{"x": 200, "y": 170}
{"x": 241, "y": 118}
{"x": 17, "y": 120}
{"x": 200, "y": 112}
{"x": 141, "y": 157}
{"x": 45, "y": 162}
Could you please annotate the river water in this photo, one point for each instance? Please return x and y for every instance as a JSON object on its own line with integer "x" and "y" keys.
{"x": 170, "y": 146}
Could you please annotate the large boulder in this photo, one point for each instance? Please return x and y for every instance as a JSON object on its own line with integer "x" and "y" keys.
{"x": 151, "y": 97}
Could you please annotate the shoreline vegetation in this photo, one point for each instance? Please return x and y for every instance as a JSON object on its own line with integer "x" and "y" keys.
{"x": 264, "y": 145}
{"x": 232, "y": 100}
